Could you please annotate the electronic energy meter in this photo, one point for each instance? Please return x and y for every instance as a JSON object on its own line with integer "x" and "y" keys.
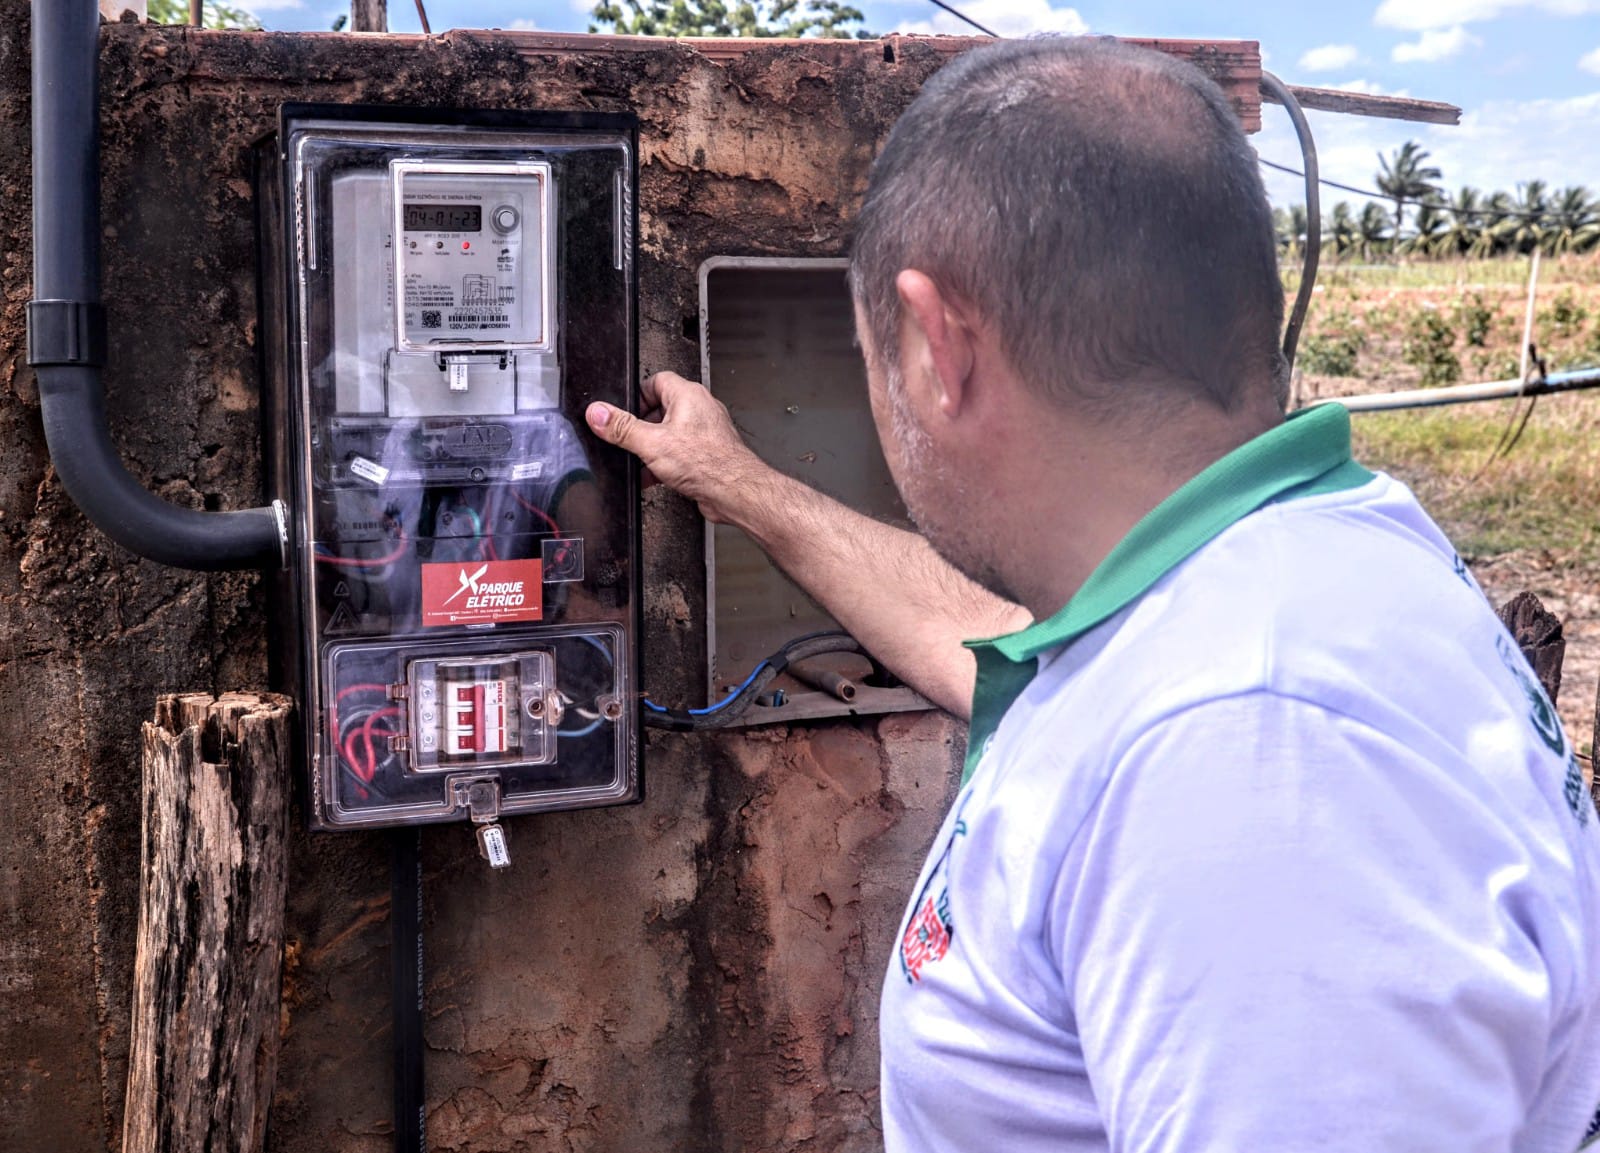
{"x": 444, "y": 295}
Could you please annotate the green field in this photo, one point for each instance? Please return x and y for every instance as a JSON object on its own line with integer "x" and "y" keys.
{"x": 1378, "y": 328}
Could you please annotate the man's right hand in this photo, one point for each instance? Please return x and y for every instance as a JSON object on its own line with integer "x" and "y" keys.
{"x": 691, "y": 445}
{"x": 883, "y": 584}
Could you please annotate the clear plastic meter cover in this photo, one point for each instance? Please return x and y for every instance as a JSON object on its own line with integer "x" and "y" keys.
{"x": 466, "y": 562}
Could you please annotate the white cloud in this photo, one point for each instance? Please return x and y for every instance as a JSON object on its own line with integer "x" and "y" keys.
{"x": 1004, "y": 17}
{"x": 1435, "y": 44}
{"x": 1370, "y": 88}
{"x": 1498, "y": 145}
{"x": 1329, "y": 58}
{"x": 259, "y": 6}
{"x": 1421, "y": 15}
{"x": 522, "y": 25}
{"x": 1590, "y": 62}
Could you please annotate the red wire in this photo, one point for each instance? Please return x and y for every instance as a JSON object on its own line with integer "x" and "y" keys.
{"x": 367, "y": 730}
{"x": 370, "y": 562}
{"x": 536, "y": 511}
{"x": 367, "y": 768}
{"x": 347, "y": 748}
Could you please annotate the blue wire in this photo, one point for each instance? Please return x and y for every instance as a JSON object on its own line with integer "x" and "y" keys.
{"x": 723, "y": 703}
{"x": 580, "y": 732}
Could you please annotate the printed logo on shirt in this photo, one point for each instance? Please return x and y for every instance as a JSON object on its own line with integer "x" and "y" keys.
{"x": 930, "y": 927}
{"x": 1541, "y": 712}
{"x": 1592, "y": 1133}
{"x": 1542, "y": 716}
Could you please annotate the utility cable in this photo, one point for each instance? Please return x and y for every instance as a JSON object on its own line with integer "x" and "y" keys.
{"x": 1313, "y": 250}
{"x": 1442, "y": 206}
{"x": 728, "y": 710}
{"x": 962, "y": 16}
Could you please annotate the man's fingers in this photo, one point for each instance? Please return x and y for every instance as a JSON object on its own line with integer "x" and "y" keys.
{"x": 614, "y": 426}
{"x": 665, "y": 389}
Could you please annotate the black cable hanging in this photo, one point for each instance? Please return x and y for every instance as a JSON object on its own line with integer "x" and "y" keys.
{"x": 1313, "y": 251}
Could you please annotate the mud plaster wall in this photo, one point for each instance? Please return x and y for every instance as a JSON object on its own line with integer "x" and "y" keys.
{"x": 698, "y": 972}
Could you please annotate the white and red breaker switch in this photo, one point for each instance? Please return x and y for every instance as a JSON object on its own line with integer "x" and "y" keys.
{"x": 475, "y": 719}
{"x": 478, "y": 712}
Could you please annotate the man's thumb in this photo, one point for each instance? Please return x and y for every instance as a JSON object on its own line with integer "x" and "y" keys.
{"x": 612, "y": 424}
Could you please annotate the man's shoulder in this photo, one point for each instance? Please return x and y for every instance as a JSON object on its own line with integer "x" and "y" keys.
{"x": 1353, "y": 601}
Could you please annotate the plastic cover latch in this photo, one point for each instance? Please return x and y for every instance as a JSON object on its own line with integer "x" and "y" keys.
{"x": 66, "y": 332}
{"x": 481, "y": 799}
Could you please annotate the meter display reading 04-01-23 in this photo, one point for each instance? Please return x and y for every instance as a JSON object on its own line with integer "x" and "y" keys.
{"x": 444, "y": 218}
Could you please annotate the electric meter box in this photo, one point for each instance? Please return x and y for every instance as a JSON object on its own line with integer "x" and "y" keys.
{"x": 443, "y": 294}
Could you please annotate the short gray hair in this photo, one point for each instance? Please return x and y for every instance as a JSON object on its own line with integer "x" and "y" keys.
{"x": 1095, "y": 201}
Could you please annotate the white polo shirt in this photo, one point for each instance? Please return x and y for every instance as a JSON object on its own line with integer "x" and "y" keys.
{"x": 1274, "y": 844}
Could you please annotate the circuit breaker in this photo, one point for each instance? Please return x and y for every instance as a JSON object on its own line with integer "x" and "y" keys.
{"x": 444, "y": 295}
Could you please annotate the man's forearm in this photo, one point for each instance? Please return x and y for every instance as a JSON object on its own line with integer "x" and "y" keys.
{"x": 883, "y": 584}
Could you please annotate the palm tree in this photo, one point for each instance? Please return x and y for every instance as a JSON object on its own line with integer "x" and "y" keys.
{"x": 1405, "y": 177}
{"x": 1290, "y": 226}
{"x": 1495, "y": 226}
{"x": 1463, "y": 223}
{"x": 1432, "y": 231}
{"x": 1371, "y": 227}
{"x": 1340, "y": 230}
{"x": 1529, "y": 224}
{"x": 1574, "y": 221}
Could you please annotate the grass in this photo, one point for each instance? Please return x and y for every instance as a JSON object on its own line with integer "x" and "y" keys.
{"x": 1503, "y": 271}
{"x": 1540, "y": 497}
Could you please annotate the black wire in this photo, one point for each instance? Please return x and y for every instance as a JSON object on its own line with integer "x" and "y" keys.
{"x": 729, "y": 710}
{"x": 1501, "y": 213}
{"x": 1313, "y": 253}
{"x": 965, "y": 17}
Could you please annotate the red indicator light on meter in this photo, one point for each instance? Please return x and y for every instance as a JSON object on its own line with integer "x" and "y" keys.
{"x": 466, "y": 244}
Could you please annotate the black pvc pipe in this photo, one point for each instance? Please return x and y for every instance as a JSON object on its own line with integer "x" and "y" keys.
{"x": 66, "y": 340}
{"x": 405, "y": 924}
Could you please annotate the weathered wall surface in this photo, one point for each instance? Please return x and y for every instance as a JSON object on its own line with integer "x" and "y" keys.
{"x": 699, "y": 972}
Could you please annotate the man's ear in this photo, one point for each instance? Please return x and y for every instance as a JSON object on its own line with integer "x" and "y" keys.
{"x": 936, "y": 339}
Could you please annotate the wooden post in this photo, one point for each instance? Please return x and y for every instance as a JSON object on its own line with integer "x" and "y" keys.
{"x": 369, "y": 15}
{"x": 204, "y": 1043}
{"x": 1538, "y": 634}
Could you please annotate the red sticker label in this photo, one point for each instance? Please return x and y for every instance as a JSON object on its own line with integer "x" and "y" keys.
{"x": 481, "y": 592}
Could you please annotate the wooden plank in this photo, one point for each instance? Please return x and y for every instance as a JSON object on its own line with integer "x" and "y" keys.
{"x": 1368, "y": 104}
{"x": 1233, "y": 64}
{"x": 204, "y": 1043}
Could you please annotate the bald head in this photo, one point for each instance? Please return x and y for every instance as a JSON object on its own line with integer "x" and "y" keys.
{"x": 1099, "y": 205}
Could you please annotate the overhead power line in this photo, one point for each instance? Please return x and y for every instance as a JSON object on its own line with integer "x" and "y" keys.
{"x": 1442, "y": 206}
{"x": 964, "y": 17}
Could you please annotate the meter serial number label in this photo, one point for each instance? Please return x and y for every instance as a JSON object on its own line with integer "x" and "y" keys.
{"x": 482, "y": 592}
{"x": 480, "y": 320}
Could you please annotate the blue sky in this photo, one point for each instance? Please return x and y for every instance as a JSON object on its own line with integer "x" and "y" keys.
{"x": 1526, "y": 72}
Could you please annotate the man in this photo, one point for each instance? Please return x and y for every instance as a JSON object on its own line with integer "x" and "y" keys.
{"x": 1270, "y": 840}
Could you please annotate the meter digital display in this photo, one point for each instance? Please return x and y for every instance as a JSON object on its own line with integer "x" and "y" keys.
{"x": 465, "y": 593}
{"x": 443, "y": 218}
{"x": 459, "y": 295}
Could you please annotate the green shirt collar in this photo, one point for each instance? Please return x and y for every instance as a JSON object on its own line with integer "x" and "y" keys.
{"x": 1306, "y": 455}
